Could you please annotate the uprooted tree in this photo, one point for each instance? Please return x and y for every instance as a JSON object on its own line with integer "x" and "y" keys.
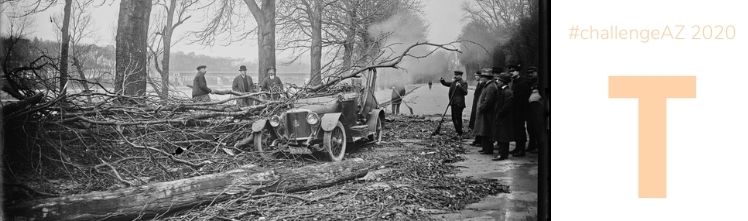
{"x": 119, "y": 145}
{"x": 93, "y": 143}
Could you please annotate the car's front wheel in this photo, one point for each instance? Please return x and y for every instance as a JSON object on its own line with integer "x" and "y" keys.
{"x": 263, "y": 142}
{"x": 334, "y": 142}
{"x": 378, "y": 131}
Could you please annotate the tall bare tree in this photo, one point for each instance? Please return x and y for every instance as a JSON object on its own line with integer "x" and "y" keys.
{"x": 79, "y": 30}
{"x": 303, "y": 22}
{"x": 171, "y": 8}
{"x": 65, "y": 44}
{"x": 132, "y": 43}
{"x": 229, "y": 18}
{"x": 500, "y": 15}
{"x": 335, "y": 31}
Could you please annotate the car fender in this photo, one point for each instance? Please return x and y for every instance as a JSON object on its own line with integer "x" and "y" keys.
{"x": 258, "y": 125}
{"x": 374, "y": 116}
{"x": 329, "y": 121}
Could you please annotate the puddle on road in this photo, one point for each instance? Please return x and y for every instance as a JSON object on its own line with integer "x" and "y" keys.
{"x": 520, "y": 174}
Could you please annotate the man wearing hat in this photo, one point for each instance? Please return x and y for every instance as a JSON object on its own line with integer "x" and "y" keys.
{"x": 457, "y": 91}
{"x": 536, "y": 114}
{"x": 485, "y": 112}
{"x": 272, "y": 84}
{"x": 243, "y": 83}
{"x": 200, "y": 90}
{"x": 476, "y": 95}
{"x": 521, "y": 88}
{"x": 503, "y": 120}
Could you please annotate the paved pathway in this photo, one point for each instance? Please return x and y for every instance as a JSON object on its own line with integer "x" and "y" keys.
{"x": 521, "y": 174}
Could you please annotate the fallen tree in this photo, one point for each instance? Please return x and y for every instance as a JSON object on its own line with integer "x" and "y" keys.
{"x": 87, "y": 142}
{"x": 166, "y": 197}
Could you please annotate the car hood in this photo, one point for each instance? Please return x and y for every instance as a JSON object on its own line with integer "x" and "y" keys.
{"x": 319, "y": 105}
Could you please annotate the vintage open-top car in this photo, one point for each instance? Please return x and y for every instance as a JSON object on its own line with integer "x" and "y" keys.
{"x": 324, "y": 124}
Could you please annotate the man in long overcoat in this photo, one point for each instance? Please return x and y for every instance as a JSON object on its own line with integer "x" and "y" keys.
{"x": 536, "y": 117}
{"x": 521, "y": 89}
{"x": 476, "y": 97}
{"x": 243, "y": 83}
{"x": 503, "y": 121}
{"x": 484, "y": 113}
{"x": 200, "y": 90}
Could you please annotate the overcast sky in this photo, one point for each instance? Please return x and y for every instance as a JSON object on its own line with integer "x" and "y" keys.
{"x": 445, "y": 18}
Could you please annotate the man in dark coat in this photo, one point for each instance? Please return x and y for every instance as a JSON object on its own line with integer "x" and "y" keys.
{"x": 398, "y": 92}
{"x": 243, "y": 83}
{"x": 521, "y": 88}
{"x": 273, "y": 85}
{"x": 200, "y": 90}
{"x": 485, "y": 113}
{"x": 476, "y": 96}
{"x": 536, "y": 117}
{"x": 457, "y": 91}
{"x": 503, "y": 124}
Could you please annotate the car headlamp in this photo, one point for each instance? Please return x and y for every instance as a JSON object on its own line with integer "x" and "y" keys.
{"x": 274, "y": 121}
{"x": 312, "y": 118}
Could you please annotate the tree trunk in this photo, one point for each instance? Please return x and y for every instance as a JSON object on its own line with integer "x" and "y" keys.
{"x": 82, "y": 75}
{"x": 350, "y": 37}
{"x": 65, "y": 45}
{"x": 160, "y": 198}
{"x": 266, "y": 39}
{"x": 315, "y": 76}
{"x": 131, "y": 51}
{"x": 366, "y": 43}
{"x": 166, "y": 39}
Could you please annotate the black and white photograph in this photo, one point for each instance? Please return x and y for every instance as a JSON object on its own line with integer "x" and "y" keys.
{"x": 274, "y": 110}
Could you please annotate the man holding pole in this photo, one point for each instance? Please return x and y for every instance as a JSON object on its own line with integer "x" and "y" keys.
{"x": 457, "y": 91}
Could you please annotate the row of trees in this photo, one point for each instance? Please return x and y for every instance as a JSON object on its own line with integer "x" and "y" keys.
{"x": 337, "y": 32}
{"x": 506, "y": 31}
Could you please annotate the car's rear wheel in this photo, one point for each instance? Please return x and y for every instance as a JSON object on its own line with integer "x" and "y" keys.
{"x": 263, "y": 143}
{"x": 334, "y": 142}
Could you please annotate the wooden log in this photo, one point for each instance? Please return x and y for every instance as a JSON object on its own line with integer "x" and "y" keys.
{"x": 167, "y": 197}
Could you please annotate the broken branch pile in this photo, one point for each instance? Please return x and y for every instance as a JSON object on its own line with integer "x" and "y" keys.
{"x": 96, "y": 141}
{"x": 415, "y": 182}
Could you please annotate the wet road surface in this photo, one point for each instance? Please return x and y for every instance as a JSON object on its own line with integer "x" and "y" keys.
{"x": 520, "y": 173}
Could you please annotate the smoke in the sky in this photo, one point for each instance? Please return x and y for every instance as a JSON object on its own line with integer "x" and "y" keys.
{"x": 402, "y": 30}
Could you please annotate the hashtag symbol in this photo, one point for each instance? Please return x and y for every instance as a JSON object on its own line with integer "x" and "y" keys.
{"x": 573, "y": 32}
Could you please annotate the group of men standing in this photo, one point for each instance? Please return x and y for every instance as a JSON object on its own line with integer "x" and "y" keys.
{"x": 505, "y": 103}
{"x": 242, "y": 83}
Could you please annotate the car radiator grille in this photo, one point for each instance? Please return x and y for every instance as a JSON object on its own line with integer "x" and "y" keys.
{"x": 296, "y": 125}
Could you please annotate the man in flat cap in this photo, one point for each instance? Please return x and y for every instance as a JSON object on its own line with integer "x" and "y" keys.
{"x": 200, "y": 90}
{"x": 503, "y": 131}
{"x": 458, "y": 88}
{"x": 521, "y": 88}
{"x": 243, "y": 83}
{"x": 272, "y": 84}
